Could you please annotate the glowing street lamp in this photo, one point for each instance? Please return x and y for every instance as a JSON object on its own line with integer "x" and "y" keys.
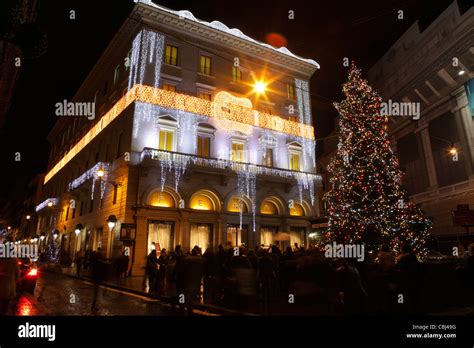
{"x": 50, "y": 204}
{"x": 100, "y": 173}
{"x": 111, "y": 221}
{"x": 28, "y": 217}
{"x": 42, "y": 237}
{"x": 78, "y": 229}
{"x": 55, "y": 234}
{"x": 453, "y": 151}
{"x": 259, "y": 87}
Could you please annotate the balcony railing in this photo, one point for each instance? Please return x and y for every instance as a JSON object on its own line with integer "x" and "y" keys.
{"x": 182, "y": 160}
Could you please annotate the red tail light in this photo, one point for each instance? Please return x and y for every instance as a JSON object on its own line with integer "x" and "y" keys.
{"x": 33, "y": 272}
{"x": 19, "y": 262}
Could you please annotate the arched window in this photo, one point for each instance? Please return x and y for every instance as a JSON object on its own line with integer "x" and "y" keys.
{"x": 235, "y": 203}
{"x": 297, "y": 210}
{"x": 161, "y": 199}
{"x": 269, "y": 208}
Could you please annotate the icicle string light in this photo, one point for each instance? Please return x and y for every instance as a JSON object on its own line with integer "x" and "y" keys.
{"x": 246, "y": 174}
{"x": 44, "y": 204}
{"x": 89, "y": 174}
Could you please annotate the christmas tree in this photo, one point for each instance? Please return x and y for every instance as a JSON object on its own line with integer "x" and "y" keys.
{"x": 366, "y": 202}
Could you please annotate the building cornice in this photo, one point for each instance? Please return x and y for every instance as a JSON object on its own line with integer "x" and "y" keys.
{"x": 150, "y": 14}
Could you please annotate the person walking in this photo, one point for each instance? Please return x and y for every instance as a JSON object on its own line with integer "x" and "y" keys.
{"x": 98, "y": 272}
{"x": 9, "y": 274}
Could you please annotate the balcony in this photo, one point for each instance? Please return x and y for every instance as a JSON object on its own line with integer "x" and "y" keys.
{"x": 181, "y": 161}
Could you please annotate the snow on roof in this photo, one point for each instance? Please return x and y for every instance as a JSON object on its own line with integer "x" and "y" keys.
{"x": 222, "y": 27}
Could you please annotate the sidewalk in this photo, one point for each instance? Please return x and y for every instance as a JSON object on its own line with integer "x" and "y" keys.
{"x": 134, "y": 285}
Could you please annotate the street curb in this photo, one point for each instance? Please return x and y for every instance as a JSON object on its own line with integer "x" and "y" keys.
{"x": 167, "y": 299}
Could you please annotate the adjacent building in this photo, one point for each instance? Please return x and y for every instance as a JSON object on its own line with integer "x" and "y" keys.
{"x": 434, "y": 67}
{"x": 191, "y": 134}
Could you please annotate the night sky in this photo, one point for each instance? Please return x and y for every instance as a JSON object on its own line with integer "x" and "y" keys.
{"x": 324, "y": 31}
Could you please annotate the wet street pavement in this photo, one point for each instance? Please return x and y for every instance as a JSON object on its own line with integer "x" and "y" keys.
{"x": 56, "y": 294}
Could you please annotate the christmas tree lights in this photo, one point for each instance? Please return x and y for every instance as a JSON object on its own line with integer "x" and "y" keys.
{"x": 366, "y": 203}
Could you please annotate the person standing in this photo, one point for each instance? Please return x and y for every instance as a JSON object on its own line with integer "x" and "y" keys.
{"x": 79, "y": 260}
{"x": 151, "y": 270}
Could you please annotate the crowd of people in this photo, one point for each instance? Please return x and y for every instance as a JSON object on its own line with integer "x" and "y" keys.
{"x": 268, "y": 280}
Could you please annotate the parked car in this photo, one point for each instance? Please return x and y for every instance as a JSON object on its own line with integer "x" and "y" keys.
{"x": 28, "y": 275}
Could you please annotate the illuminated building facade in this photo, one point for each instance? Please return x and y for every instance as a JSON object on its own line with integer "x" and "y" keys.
{"x": 202, "y": 136}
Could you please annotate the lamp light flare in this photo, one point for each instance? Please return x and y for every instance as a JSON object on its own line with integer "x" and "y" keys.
{"x": 259, "y": 87}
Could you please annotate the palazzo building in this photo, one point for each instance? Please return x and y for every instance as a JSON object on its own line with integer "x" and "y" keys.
{"x": 201, "y": 136}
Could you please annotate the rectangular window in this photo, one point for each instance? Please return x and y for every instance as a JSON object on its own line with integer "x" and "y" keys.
{"x": 268, "y": 159}
{"x": 116, "y": 74}
{"x": 290, "y": 88}
{"x": 236, "y": 74}
{"x": 160, "y": 236}
{"x": 293, "y": 118}
{"x": 128, "y": 60}
{"x": 206, "y": 65}
{"x": 201, "y": 235}
{"x": 294, "y": 161}
{"x": 166, "y": 140}
{"x": 168, "y": 87}
{"x": 204, "y": 95}
{"x": 67, "y": 213}
{"x": 115, "y": 195}
{"x": 119, "y": 145}
{"x": 106, "y": 153}
{"x": 204, "y": 146}
{"x": 171, "y": 55}
{"x": 237, "y": 153}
